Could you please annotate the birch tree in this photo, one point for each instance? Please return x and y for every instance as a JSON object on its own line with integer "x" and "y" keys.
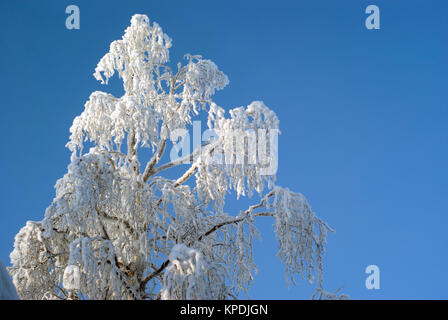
{"x": 118, "y": 229}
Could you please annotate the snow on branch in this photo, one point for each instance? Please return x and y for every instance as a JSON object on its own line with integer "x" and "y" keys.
{"x": 300, "y": 233}
{"x": 189, "y": 276}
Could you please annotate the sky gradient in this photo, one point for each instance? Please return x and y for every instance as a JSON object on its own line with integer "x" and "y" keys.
{"x": 363, "y": 115}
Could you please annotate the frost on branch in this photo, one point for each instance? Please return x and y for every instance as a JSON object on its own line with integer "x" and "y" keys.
{"x": 107, "y": 119}
{"x": 235, "y": 163}
{"x": 190, "y": 277}
{"x": 118, "y": 229}
{"x": 300, "y": 234}
{"x": 321, "y": 294}
{"x": 201, "y": 79}
{"x": 134, "y": 57}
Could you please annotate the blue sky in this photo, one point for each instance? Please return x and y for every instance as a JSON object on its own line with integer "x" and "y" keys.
{"x": 363, "y": 115}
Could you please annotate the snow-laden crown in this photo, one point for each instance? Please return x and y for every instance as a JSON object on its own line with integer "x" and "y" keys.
{"x": 117, "y": 229}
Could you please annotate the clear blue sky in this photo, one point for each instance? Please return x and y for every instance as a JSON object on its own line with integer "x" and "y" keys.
{"x": 363, "y": 114}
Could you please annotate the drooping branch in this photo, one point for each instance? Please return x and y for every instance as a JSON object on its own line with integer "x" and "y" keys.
{"x": 212, "y": 230}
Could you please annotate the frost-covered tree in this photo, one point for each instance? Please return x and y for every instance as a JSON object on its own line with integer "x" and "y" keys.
{"x": 117, "y": 229}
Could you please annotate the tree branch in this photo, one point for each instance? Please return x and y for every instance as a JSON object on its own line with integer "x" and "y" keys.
{"x": 210, "y": 231}
{"x": 186, "y": 175}
{"x": 154, "y": 160}
{"x": 153, "y": 275}
{"x": 195, "y": 165}
{"x": 247, "y": 214}
{"x": 211, "y": 146}
{"x": 177, "y": 162}
{"x": 132, "y": 150}
{"x": 237, "y": 220}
